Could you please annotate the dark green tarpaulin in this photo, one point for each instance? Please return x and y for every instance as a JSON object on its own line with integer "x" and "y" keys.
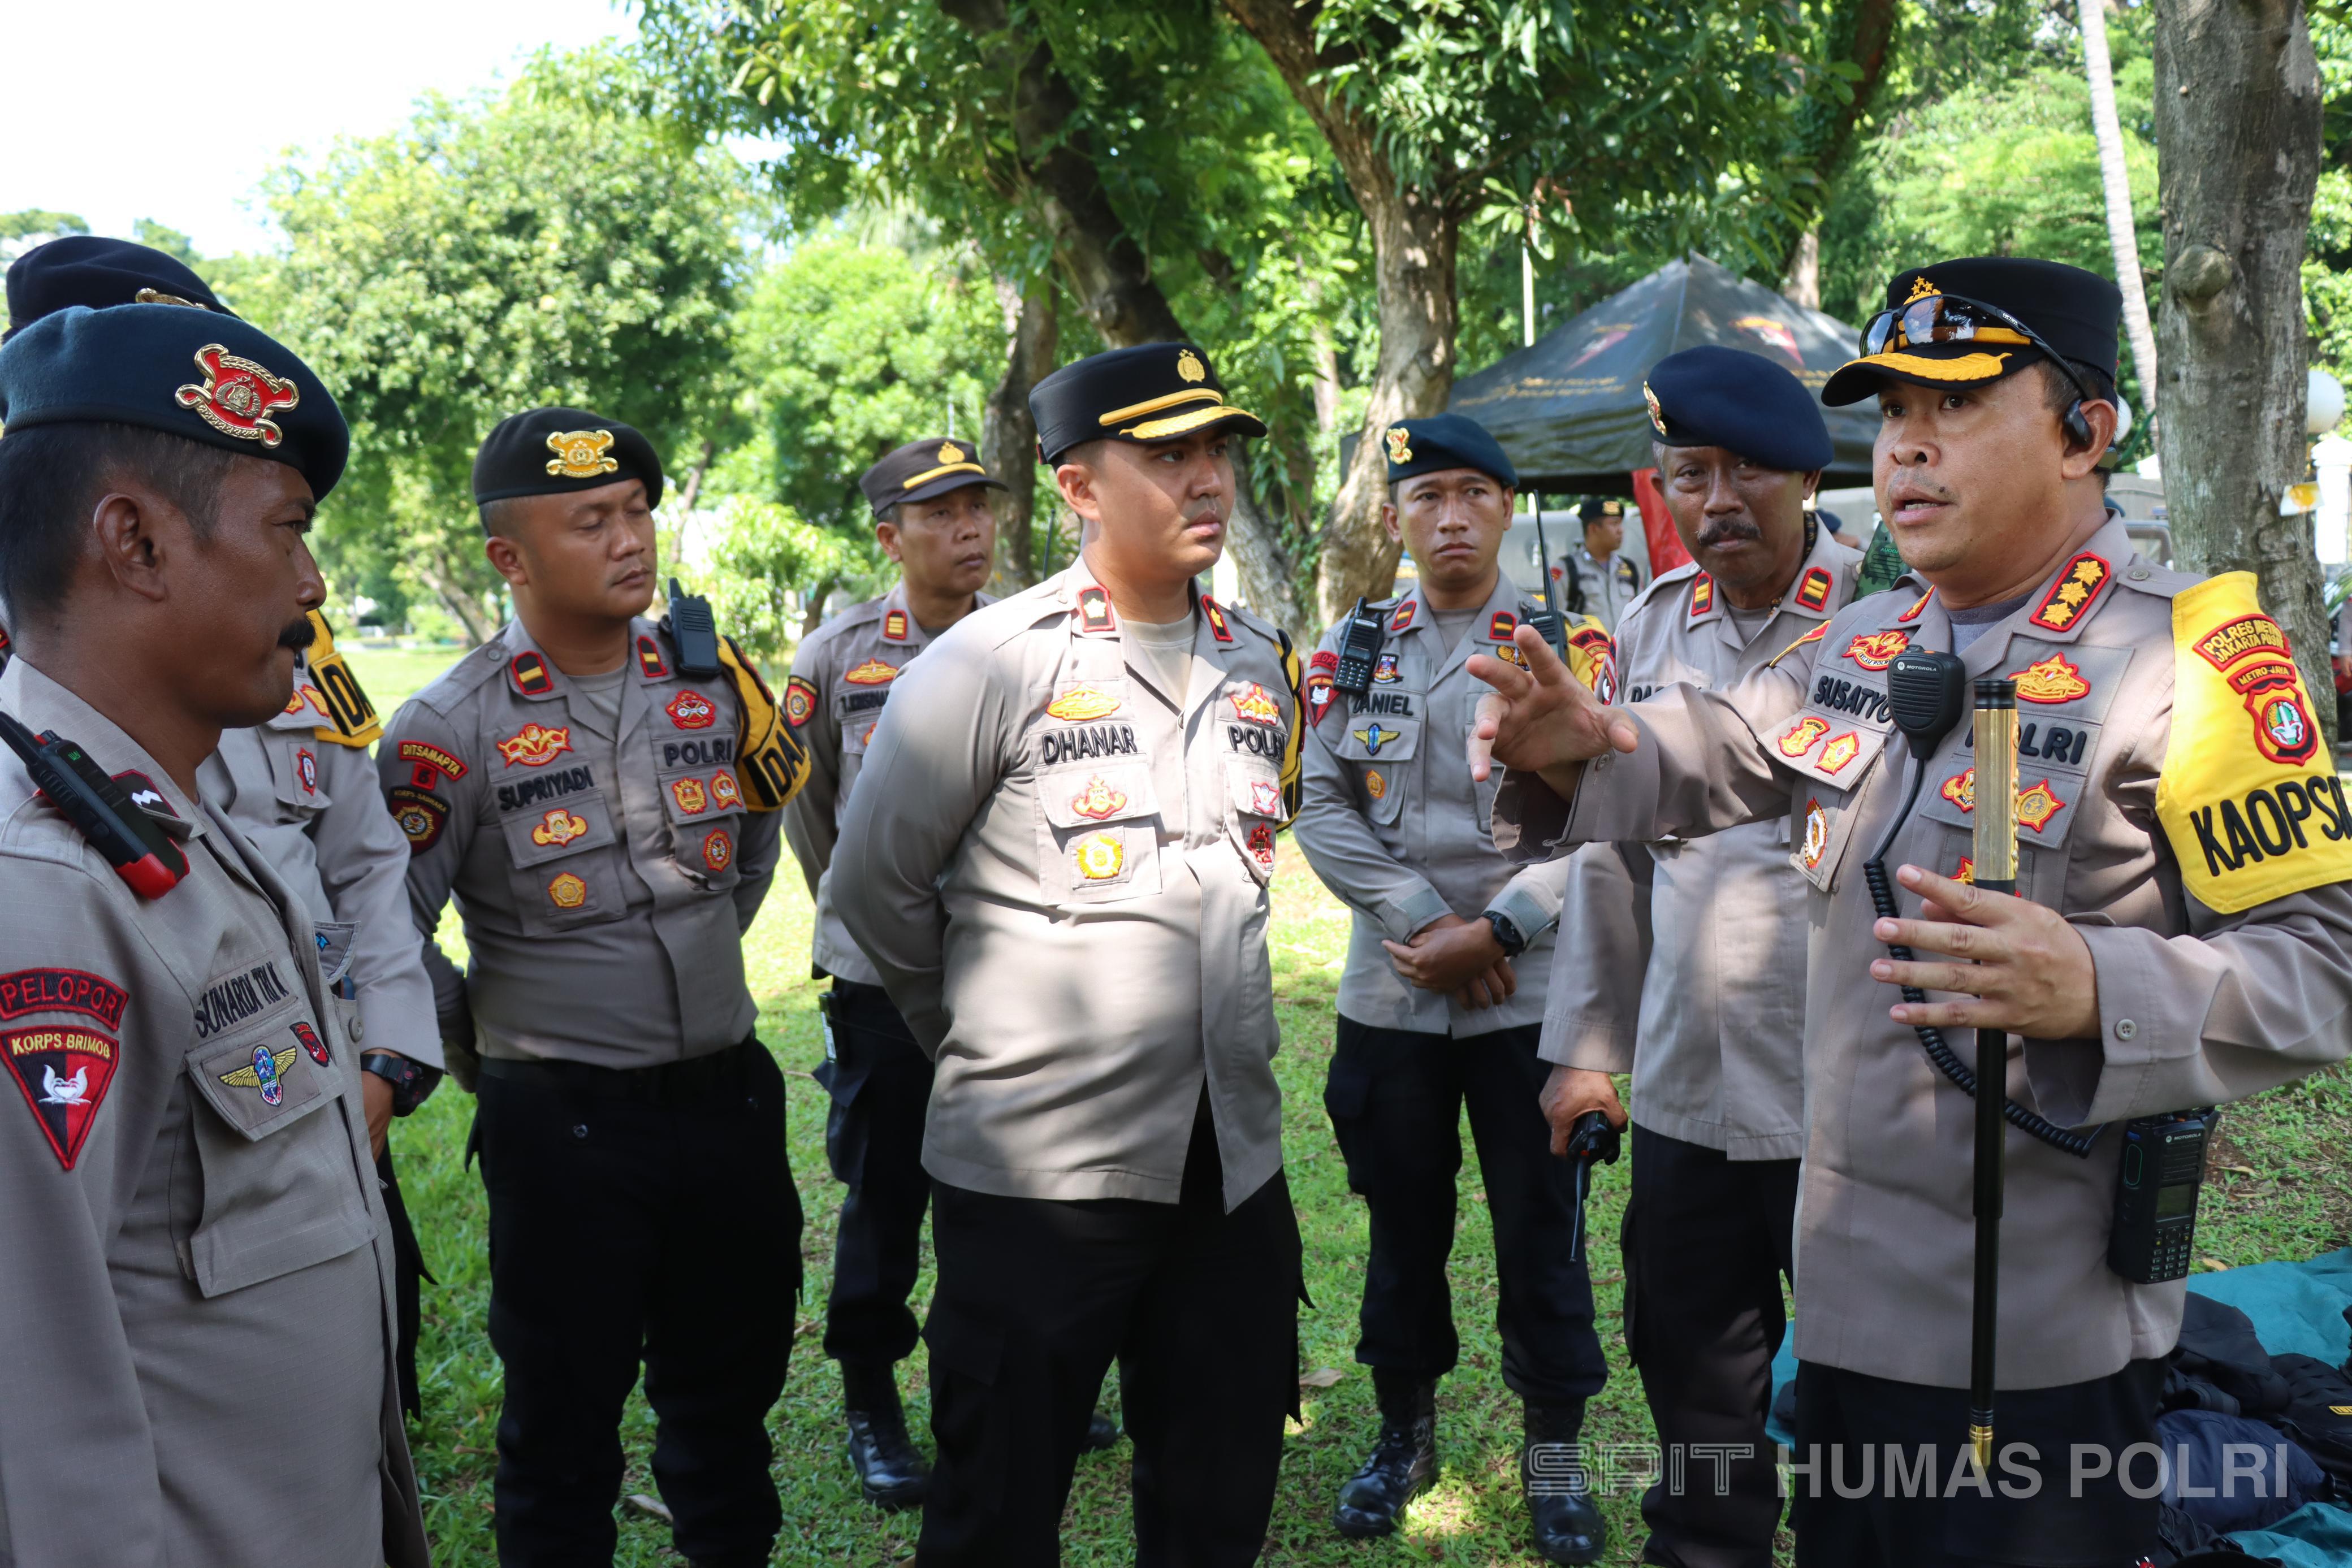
{"x": 1568, "y": 409}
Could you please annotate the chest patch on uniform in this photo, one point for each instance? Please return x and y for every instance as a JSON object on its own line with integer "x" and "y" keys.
{"x": 1252, "y": 703}
{"x": 1877, "y": 650}
{"x": 1375, "y": 784}
{"x": 430, "y": 756}
{"x": 305, "y": 770}
{"x": 800, "y": 702}
{"x": 535, "y": 745}
{"x": 1396, "y": 704}
{"x": 872, "y": 672}
{"x": 692, "y": 797}
{"x": 547, "y": 786}
{"x": 691, "y": 710}
{"x": 2036, "y": 805}
{"x": 62, "y": 991}
{"x": 1099, "y": 800}
{"x": 1261, "y": 843}
{"x": 2051, "y": 680}
{"x": 718, "y": 849}
{"x": 64, "y": 1073}
{"x": 567, "y": 892}
{"x": 265, "y": 1073}
{"x": 1264, "y": 799}
{"x": 1080, "y": 703}
{"x": 1372, "y": 737}
{"x": 229, "y": 1002}
{"x": 1817, "y": 834}
{"x": 725, "y": 791}
{"x": 1813, "y": 592}
{"x": 308, "y": 1039}
{"x": 1839, "y": 750}
{"x": 649, "y": 659}
{"x": 2253, "y": 808}
{"x": 1593, "y": 659}
{"x": 2085, "y": 579}
{"x": 419, "y": 815}
{"x": 698, "y": 752}
{"x": 1800, "y": 736}
{"x": 559, "y": 827}
{"x": 1056, "y": 747}
{"x": 1385, "y": 670}
{"x": 1099, "y": 856}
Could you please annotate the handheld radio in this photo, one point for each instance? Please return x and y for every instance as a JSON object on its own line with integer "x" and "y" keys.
{"x": 1591, "y": 1142}
{"x": 141, "y": 854}
{"x": 1359, "y": 650}
{"x": 2156, "y": 1183}
{"x": 692, "y": 628}
{"x": 1550, "y": 624}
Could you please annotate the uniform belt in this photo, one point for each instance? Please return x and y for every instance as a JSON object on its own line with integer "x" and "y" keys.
{"x": 719, "y": 1074}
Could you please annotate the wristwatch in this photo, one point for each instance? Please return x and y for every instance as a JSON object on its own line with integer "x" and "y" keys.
{"x": 411, "y": 1082}
{"x": 1505, "y": 932}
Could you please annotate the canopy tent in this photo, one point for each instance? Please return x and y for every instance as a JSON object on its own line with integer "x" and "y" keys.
{"x": 1568, "y": 409}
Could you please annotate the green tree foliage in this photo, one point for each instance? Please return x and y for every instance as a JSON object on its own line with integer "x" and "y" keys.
{"x": 763, "y": 556}
{"x": 548, "y": 244}
{"x": 21, "y": 231}
{"x": 167, "y": 239}
{"x": 2328, "y": 274}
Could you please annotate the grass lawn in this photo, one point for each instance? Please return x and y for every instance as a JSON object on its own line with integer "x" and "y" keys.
{"x": 2280, "y": 1191}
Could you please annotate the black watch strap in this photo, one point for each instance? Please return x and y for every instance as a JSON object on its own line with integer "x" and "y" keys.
{"x": 411, "y": 1080}
{"x": 1507, "y": 933}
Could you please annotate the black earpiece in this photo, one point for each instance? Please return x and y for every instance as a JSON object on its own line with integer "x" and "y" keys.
{"x": 2077, "y": 427}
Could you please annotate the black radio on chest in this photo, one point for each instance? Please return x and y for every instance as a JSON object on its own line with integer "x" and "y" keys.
{"x": 2157, "y": 1181}
{"x": 1359, "y": 650}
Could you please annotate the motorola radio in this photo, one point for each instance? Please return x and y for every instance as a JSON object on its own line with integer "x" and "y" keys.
{"x": 1360, "y": 649}
{"x": 2156, "y": 1183}
{"x": 692, "y": 628}
{"x": 141, "y": 854}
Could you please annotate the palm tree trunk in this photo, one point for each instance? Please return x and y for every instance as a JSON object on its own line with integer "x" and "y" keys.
{"x": 2123, "y": 235}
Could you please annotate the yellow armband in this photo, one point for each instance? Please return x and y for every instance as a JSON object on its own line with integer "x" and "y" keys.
{"x": 355, "y": 721}
{"x": 1592, "y": 658}
{"x": 770, "y": 758}
{"x": 1292, "y": 678}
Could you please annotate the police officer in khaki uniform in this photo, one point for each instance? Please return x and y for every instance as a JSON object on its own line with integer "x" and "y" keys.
{"x": 1057, "y": 857}
{"x": 302, "y": 790}
{"x": 601, "y": 794}
{"x": 1594, "y": 579}
{"x": 201, "y": 1270}
{"x": 1689, "y": 969}
{"x": 2182, "y": 934}
{"x": 1442, "y": 996}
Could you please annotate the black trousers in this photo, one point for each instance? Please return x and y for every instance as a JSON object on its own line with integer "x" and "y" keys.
{"x": 1035, "y": 1297}
{"x": 1706, "y": 1241}
{"x": 1910, "y": 1514}
{"x": 408, "y": 1274}
{"x": 638, "y": 1216}
{"x": 880, "y": 1082}
{"x": 1395, "y": 1100}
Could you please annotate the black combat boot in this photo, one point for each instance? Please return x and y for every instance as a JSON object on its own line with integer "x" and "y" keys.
{"x": 1567, "y": 1526}
{"x": 1101, "y": 1433}
{"x": 889, "y": 1469}
{"x": 1403, "y": 1459}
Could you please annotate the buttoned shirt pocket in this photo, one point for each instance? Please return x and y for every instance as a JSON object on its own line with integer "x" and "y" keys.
{"x": 296, "y": 774}
{"x": 564, "y": 864}
{"x": 1253, "y": 808}
{"x": 279, "y": 1191}
{"x": 704, "y": 807}
{"x": 1098, "y": 832}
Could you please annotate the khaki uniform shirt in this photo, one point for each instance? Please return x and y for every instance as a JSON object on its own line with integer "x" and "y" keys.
{"x": 1392, "y": 823}
{"x": 1695, "y": 947}
{"x": 312, "y": 807}
{"x": 198, "y": 1267}
{"x": 1608, "y": 587}
{"x": 1059, "y": 870}
{"x": 2196, "y": 1005}
{"x": 841, "y": 678}
{"x": 606, "y": 880}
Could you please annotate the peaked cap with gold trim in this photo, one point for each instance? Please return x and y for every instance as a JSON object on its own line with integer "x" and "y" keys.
{"x": 2077, "y": 312}
{"x": 1153, "y": 391}
{"x": 555, "y": 451}
{"x": 925, "y": 467}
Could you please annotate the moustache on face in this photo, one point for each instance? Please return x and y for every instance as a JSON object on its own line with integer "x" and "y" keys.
{"x": 298, "y": 634}
{"x": 1717, "y": 533}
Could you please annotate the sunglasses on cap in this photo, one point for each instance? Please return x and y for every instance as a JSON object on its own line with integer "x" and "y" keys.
{"x": 1950, "y": 319}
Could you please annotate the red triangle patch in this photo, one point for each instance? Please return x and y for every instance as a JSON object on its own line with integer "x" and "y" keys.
{"x": 65, "y": 1073}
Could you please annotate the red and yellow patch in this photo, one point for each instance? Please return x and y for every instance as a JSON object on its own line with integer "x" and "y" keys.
{"x": 2036, "y": 805}
{"x": 1800, "y": 736}
{"x": 1094, "y": 612}
{"x": 1839, "y": 750}
{"x": 1403, "y": 616}
{"x": 2284, "y": 731}
{"x": 649, "y": 659}
{"x": 894, "y": 626}
{"x": 1877, "y": 650}
{"x": 2051, "y": 680}
{"x": 691, "y": 710}
{"x": 2077, "y": 587}
{"x": 1813, "y": 591}
{"x": 1215, "y": 614}
{"x": 2233, "y": 640}
{"x": 725, "y": 793}
{"x": 1965, "y": 871}
{"x": 1960, "y": 790}
{"x": 1500, "y": 628}
{"x": 1816, "y": 835}
{"x": 1702, "y": 599}
{"x": 1255, "y": 704}
{"x": 872, "y": 672}
{"x": 1097, "y": 799}
{"x": 1261, "y": 844}
{"x": 558, "y": 828}
{"x": 426, "y": 756}
{"x": 419, "y": 816}
{"x": 717, "y": 849}
{"x": 64, "y": 1073}
{"x": 692, "y": 798}
{"x": 567, "y": 892}
{"x": 535, "y": 745}
{"x": 1815, "y": 636}
{"x": 800, "y": 702}
{"x": 1913, "y": 614}
{"x": 530, "y": 676}
{"x": 1082, "y": 703}
{"x": 238, "y": 396}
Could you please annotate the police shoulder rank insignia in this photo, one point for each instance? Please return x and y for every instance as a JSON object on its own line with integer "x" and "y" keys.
{"x": 237, "y": 396}
{"x": 144, "y": 795}
{"x": 266, "y": 1073}
{"x": 580, "y": 453}
{"x": 535, "y": 745}
{"x": 420, "y": 816}
{"x": 691, "y": 710}
{"x": 1702, "y": 595}
{"x": 894, "y": 626}
{"x": 1079, "y": 704}
{"x": 530, "y": 676}
{"x": 1215, "y": 617}
{"x": 2086, "y": 577}
{"x": 567, "y": 892}
{"x": 1094, "y": 611}
{"x": 2051, "y": 680}
{"x": 649, "y": 659}
{"x": 1916, "y": 605}
{"x": 718, "y": 849}
{"x": 872, "y": 672}
{"x": 800, "y": 701}
{"x": 1874, "y": 650}
{"x": 1403, "y": 616}
{"x": 1399, "y": 447}
{"x": 1255, "y": 704}
{"x": 63, "y": 1074}
{"x": 1813, "y": 592}
{"x": 2248, "y": 797}
{"x": 432, "y": 763}
{"x": 1501, "y": 625}
{"x": 558, "y": 828}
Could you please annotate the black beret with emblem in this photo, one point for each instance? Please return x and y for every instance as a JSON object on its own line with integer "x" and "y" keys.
{"x": 212, "y": 380}
{"x": 1958, "y": 323}
{"x": 928, "y": 466}
{"x": 1153, "y": 391}
{"x": 88, "y": 270}
{"x": 556, "y": 451}
{"x": 1743, "y": 402}
{"x": 1446, "y": 441}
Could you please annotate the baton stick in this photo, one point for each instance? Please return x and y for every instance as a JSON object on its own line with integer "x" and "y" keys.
{"x": 1996, "y": 871}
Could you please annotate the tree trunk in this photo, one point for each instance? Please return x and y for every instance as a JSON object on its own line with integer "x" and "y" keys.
{"x": 1108, "y": 275}
{"x": 449, "y": 588}
{"x": 1802, "y": 286}
{"x": 2237, "y": 126}
{"x": 1862, "y": 31}
{"x": 1008, "y": 436}
{"x": 2123, "y": 235}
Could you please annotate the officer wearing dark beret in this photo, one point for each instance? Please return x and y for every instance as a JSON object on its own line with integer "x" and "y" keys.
{"x": 602, "y": 794}
{"x": 1692, "y": 959}
{"x": 183, "y": 1145}
{"x": 1443, "y": 998}
{"x": 87, "y": 270}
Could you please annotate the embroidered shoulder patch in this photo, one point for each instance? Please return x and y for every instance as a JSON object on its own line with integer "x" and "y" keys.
{"x": 420, "y": 816}
{"x": 1094, "y": 611}
{"x": 1215, "y": 614}
{"x": 649, "y": 659}
{"x": 800, "y": 701}
{"x": 62, "y": 991}
{"x": 431, "y": 762}
{"x": 530, "y": 676}
{"x": 1500, "y": 628}
{"x": 1917, "y": 605}
{"x": 1403, "y": 616}
{"x": 1702, "y": 599}
{"x": 1815, "y": 636}
{"x": 894, "y": 626}
{"x": 2085, "y": 579}
{"x": 1813, "y": 592}
{"x": 2250, "y": 803}
{"x": 63, "y": 1074}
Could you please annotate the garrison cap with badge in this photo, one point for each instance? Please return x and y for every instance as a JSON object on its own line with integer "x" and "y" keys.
{"x": 923, "y": 468}
{"x": 1153, "y": 391}
{"x": 209, "y": 379}
{"x": 1972, "y": 321}
{"x": 97, "y": 273}
{"x": 1443, "y": 441}
{"x": 1743, "y": 402}
{"x": 557, "y": 451}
